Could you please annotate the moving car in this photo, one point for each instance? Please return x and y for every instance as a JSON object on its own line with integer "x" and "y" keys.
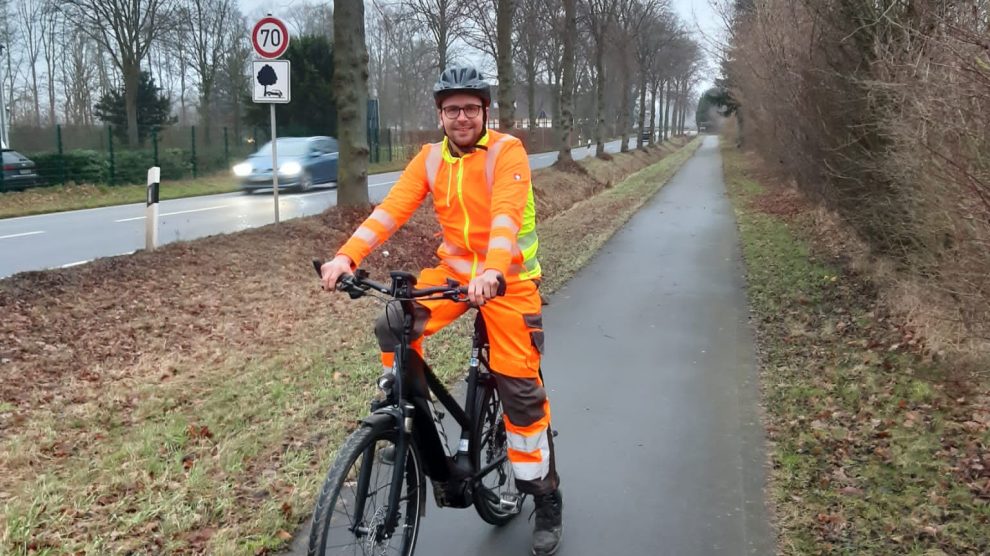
{"x": 19, "y": 172}
{"x": 302, "y": 163}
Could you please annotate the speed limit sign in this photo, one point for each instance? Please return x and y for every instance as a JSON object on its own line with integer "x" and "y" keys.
{"x": 270, "y": 37}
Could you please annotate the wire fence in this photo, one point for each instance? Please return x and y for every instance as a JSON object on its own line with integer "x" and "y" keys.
{"x": 101, "y": 155}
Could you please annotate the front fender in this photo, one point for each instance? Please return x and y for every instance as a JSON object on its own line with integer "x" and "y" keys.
{"x": 384, "y": 419}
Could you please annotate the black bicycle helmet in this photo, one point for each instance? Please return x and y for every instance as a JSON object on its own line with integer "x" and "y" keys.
{"x": 462, "y": 79}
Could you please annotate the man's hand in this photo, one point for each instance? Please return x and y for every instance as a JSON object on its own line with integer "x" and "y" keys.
{"x": 483, "y": 287}
{"x": 334, "y": 269}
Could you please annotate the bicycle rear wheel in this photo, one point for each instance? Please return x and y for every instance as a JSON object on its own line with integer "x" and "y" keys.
{"x": 490, "y": 444}
{"x": 337, "y": 530}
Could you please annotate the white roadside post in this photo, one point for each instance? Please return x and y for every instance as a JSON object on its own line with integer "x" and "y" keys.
{"x": 151, "y": 212}
{"x": 270, "y": 38}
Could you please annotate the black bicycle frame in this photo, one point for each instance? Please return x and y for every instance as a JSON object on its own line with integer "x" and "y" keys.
{"x": 411, "y": 413}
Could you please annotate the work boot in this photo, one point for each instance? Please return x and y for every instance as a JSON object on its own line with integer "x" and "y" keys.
{"x": 549, "y": 523}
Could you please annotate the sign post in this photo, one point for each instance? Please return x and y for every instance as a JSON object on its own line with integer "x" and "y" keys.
{"x": 270, "y": 38}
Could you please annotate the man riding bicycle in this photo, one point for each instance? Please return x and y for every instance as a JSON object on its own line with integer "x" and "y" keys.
{"x": 479, "y": 180}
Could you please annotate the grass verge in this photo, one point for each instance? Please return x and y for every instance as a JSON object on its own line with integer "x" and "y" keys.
{"x": 877, "y": 445}
{"x": 212, "y": 433}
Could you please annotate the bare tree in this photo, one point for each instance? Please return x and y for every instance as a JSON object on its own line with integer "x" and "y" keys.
{"x": 598, "y": 17}
{"x": 408, "y": 69}
{"x": 29, "y": 12}
{"x": 567, "y": 83}
{"x": 657, "y": 34}
{"x": 10, "y": 44}
{"x": 444, "y": 19}
{"x": 480, "y": 27}
{"x": 234, "y": 84}
{"x": 78, "y": 70}
{"x": 350, "y": 59}
{"x": 311, "y": 20}
{"x": 125, "y": 29}
{"x": 52, "y": 27}
{"x": 530, "y": 35}
{"x": 210, "y": 33}
{"x": 506, "y": 78}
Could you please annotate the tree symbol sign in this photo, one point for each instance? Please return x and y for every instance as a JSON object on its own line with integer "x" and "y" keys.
{"x": 267, "y": 77}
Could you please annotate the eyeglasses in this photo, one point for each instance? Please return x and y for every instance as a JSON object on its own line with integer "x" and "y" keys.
{"x": 470, "y": 111}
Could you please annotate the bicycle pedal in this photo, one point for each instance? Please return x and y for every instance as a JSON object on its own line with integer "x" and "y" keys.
{"x": 509, "y": 502}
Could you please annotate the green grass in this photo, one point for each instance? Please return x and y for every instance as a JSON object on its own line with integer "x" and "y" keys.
{"x": 866, "y": 442}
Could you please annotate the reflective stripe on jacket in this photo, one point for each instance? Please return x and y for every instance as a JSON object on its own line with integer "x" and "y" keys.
{"x": 483, "y": 201}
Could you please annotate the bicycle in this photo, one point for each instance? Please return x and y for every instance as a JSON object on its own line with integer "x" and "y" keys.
{"x": 400, "y": 442}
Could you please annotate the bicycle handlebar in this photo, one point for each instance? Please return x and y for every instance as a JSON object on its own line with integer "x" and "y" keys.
{"x": 356, "y": 285}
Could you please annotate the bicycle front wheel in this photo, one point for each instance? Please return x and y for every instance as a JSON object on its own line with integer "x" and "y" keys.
{"x": 489, "y": 445}
{"x": 351, "y": 510}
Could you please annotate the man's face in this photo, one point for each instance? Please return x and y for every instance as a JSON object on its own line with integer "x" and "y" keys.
{"x": 463, "y": 130}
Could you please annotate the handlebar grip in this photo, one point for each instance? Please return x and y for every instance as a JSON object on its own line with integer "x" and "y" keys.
{"x": 318, "y": 265}
{"x": 501, "y": 286}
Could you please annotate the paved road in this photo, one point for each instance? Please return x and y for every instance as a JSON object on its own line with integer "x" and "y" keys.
{"x": 70, "y": 238}
{"x": 653, "y": 382}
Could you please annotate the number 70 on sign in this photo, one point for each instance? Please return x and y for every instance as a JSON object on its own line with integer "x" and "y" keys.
{"x": 270, "y": 37}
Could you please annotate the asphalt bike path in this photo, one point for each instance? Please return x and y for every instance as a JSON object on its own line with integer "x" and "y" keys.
{"x": 652, "y": 377}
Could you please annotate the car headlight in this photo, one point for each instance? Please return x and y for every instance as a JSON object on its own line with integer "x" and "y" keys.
{"x": 243, "y": 169}
{"x": 290, "y": 168}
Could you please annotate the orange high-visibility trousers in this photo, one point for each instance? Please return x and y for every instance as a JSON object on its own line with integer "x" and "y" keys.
{"x": 514, "y": 324}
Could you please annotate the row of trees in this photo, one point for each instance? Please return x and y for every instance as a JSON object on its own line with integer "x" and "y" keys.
{"x": 624, "y": 57}
{"x": 635, "y": 47}
{"x": 602, "y": 54}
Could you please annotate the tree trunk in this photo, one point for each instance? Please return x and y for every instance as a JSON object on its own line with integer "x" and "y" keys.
{"x": 350, "y": 59}
{"x": 666, "y": 112}
{"x": 624, "y": 105}
{"x": 131, "y": 72}
{"x": 600, "y": 98}
{"x": 531, "y": 93}
{"x": 642, "y": 112}
{"x": 653, "y": 113}
{"x": 204, "y": 113}
{"x": 37, "y": 101}
{"x": 567, "y": 83}
{"x": 506, "y": 91}
{"x": 182, "y": 87}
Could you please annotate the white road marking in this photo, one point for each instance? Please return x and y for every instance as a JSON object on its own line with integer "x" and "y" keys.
{"x": 21, "y": 235}
{"x": 383, "y": 183}
{"x": 173, "y": 213}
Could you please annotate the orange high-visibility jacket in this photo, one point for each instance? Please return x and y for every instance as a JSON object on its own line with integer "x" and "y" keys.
{"x": 483, "y": 200}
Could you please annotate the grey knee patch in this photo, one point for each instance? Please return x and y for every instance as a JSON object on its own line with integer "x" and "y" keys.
{"x": 388, "y": 327}
{"x": 522, "y": 399}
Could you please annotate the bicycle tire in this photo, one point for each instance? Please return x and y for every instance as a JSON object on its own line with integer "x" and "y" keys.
{"x": 490, "y": 442}
{"x": 332, "y": 530}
